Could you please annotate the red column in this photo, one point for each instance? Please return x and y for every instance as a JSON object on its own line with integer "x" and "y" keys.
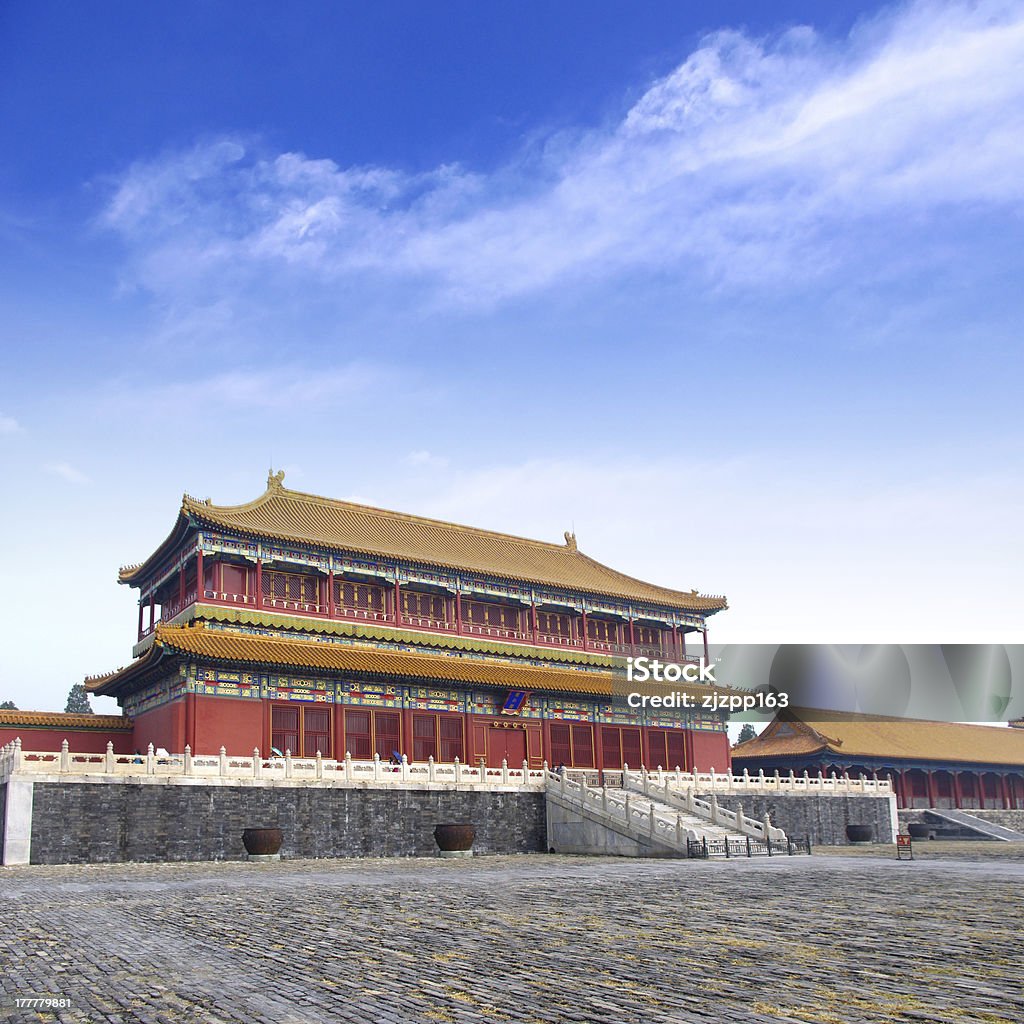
{"x": 152, "y": 608}
{"x": 458, "y": 611}
{"x": 1004, "y": 784}
{"x": 707, "y": 656}
{"x": 259, "y": 582}
{"x": 632, "y": 633}
{"x": 181, "y": 586}
{"x": 901, "y": 790}
{"x": 682, "y": 649}
{"x": 533, "y": 619}
{"x": 933, "y": 800}
{"x": 190, "y": 721}
{"x": 330, "y": 593}
{"x": 583, "y": 627}
{"x": 675, "y": 642}
{"x": 140, "y": 616}
{"x": 398, "y": 604}
{"x": 200, "y": 576}
{"x": 958, "y": 799}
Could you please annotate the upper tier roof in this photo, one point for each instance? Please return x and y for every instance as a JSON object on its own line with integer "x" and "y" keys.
{"x": 283, "y": 514}
{"x": 852, "y": 736}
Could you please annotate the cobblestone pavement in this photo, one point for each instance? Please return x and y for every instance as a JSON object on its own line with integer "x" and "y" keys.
{"x": 533, "y": 939}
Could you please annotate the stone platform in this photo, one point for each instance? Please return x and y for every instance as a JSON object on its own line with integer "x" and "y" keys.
{"x": 823, "y": 940}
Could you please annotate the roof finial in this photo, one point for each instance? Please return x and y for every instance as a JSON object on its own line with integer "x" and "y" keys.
{"x": 570, "y": 540}
{"x": 275, "y": 480}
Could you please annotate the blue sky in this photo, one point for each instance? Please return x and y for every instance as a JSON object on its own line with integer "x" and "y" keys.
{"x": 732, "y": 289}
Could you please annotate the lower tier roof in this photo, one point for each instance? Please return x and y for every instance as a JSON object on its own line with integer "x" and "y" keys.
{"x": 238, "y": 648}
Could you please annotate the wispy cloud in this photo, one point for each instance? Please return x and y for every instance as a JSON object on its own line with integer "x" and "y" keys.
{"x": 9, "y": 425}
{"x": 750, "y": 160}
{"x": 426, "y": 459}
{"x": 66, "y": 472}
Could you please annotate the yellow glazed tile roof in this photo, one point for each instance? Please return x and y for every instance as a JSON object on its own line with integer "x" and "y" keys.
{"x": 334, "y": 657}
{"x": 61, "y": 719}
{"x": 283, "y": 514}
{"x": 244, "y": 648}
{"x": 852, "y": 735}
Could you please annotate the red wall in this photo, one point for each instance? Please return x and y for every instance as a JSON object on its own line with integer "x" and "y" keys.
{"x": 228, "y": 722}
{"x": 163, "y": 727}
{"x": 710, "y": 750}
{"x": 80, "y": 741}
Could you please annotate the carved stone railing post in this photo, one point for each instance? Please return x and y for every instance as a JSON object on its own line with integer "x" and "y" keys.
{"x": 430, "y": 768}
{"x": 222, "y": 761}
{"x": 714, "y": 808}
{"x": 16, "y": 758}
{"x": 405, "y": 768}
{"x": 257, "y": 763}
{"x": 287, "y": 762}
{"x": 187, "y": 765}
{"x": 319, "y": 765}
{"x": 526, "y": 773}
{"x": 458, "y": 771}
{"x": 504, "y": 772}
{"x": 65, "y": 757}
{"x": 150, "y": 761}
{"x": 348, "y": 766}
{"x": 679, "y": 830}
{"x": 653, "y": 822}
{"x": 108, "y": 759}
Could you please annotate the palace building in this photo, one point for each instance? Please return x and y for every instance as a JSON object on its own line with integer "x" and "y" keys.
{"x": 305, "y": 624}
{"x": 930, "y": 764}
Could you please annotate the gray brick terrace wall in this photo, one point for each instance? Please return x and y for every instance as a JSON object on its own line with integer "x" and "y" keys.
{"x": 823, "y": 817}
{"x": 80, "y": 822}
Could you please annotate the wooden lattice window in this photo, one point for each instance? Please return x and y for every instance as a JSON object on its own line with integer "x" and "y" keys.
{"x": 489, "y": 613}
{"x": 290, "y": 586}
{"x": 450, "y": 735}
{"x": 602, "y": 629}
{"x": 424, "y": 737}
{"x": 359, "y": 596}
{"x": 424, "y": 606}
{"x": 357, "y": 734}
{"x": 289, "y": 725}
{"x": 583, "y": 746}
{"x": 553, "y": 623}
{"x": 647, "y": 636}
{"x": 387, "y": 730}
{"x": 284, "y": 729}
{"x": 316, "y": 732}
{"x": 561, "y": 746}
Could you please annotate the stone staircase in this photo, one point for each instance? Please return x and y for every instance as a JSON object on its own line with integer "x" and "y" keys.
{"x": 633, "y": 822}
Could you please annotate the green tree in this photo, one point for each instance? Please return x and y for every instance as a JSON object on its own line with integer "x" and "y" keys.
{"x": 748, "y": 732}
{"x": 78, "y": 701}
{"x": 8, "y": 705}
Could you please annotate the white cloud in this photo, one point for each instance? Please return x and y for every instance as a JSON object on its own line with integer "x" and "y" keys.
{"x": 66, "y": 472}
{"x": 426, "y": 459}
{"x": 9, "y": 425}
{"x": 895, "y": 554}
{"x": 748, "y": 162}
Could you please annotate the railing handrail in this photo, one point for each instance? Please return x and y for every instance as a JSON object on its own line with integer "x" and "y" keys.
{"x": 344, "y": 771}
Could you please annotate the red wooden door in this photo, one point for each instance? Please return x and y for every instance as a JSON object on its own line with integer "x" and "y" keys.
{"x": 508, "y": 745}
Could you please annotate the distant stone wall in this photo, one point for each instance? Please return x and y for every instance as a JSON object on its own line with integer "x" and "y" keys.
{"x": 822, "y": 817}
{"x": 83, "y": 822}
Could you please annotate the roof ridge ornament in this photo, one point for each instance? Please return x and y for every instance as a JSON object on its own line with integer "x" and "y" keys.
{"x": 570, "y": 540}
{"x": 275, "y": 480}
